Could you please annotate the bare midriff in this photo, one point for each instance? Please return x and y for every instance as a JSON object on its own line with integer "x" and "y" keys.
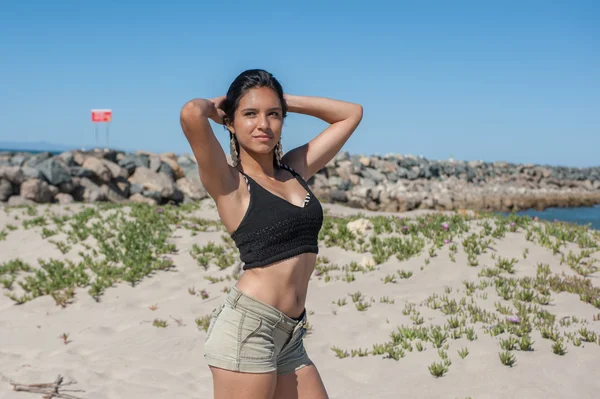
{"x": 283, "y": 285}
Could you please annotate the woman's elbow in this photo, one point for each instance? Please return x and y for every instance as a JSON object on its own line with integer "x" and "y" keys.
{"x": 358, "y": 112}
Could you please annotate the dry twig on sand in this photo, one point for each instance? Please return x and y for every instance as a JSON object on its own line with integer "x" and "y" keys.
{"x": 179, "y": 322}
{"x": 51, "y": 390}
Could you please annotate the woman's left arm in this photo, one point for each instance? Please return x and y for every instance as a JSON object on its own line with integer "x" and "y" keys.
{"x": 343, "y": 116}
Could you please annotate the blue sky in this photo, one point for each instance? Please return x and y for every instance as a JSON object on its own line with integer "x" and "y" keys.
{"x": 514, "y": 80}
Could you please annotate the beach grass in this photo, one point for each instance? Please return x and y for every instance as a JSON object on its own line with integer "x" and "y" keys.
{"x": 505, "y": 297}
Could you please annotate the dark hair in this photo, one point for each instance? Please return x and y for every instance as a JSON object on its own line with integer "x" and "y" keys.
{"x": 250, "y": 79}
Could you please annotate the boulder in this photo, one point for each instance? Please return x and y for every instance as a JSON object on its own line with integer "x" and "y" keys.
{"x": 67, "y": 188}
{"x": 36, "y": 159}
{"x": 136, "y": 189}
{"x": 64, "y": 198}
{"x": 443, "y": 201}
{"x": 166, "y": 169}
{"x": 155, "y": 163}
{"x": 153, "y": 181}
{"x": 171, "y": 160}
{"x": 38, "y": 191}
{"x": 316, "y": 181}
{"x": 98, "y": 167}
{"x": 31, "y": 173}
{"x": 374, "y": 175}
{"x": 338, "y": 196}
{"x": 18, "y": 160}
{"x": 116, "y": 171}
{"x": 17, "y": 200}
{"x": 153, "y": 194}
{"x": 78, "y": 171}
{"x": 67, "y": 158}
{"x": 6, "y": 189}
{"x": 189, "y": 166}
{"x": 113, "y": 192}
{"x": 365, "y": 161}
{"x": 13, "y": 174}
{"x": 109, "y": 155}
{"x": 54, "y": 171}
{"x": 88, "y": 191}
{"x": 79, "y": 158}
{"x": 139, "y": 198}
{"x": 193, "y": 189}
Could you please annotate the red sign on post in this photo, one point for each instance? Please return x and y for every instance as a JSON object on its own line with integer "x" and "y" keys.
{"x": 101, "y": 115}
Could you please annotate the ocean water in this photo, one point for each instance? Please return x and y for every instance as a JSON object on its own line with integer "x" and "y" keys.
{"x": 30, "y": 151}
{"x": 583, "y": 216}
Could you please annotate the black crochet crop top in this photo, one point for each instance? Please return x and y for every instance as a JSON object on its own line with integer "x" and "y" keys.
{"x": 274, "y": 229}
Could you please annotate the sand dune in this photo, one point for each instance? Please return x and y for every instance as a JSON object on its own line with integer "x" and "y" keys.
{"x": 116, "y": 347}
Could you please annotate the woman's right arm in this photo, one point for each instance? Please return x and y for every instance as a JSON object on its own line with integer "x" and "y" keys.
{"x": 216, "y": 174}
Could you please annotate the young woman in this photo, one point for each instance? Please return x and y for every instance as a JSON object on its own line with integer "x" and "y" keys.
{"x": 253, "y": 345}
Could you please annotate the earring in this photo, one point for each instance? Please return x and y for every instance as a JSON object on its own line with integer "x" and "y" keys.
{"x": 235, "y": 156}
{"x": 278, "y": 153}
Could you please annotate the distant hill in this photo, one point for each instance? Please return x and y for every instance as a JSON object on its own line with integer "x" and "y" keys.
{"x": 32, "y": 146}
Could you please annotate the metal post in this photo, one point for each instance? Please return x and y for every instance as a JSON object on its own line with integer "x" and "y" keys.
{"x": 107, "y": 140}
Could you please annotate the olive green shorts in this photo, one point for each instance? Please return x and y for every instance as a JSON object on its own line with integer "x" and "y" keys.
{"x": 248, "y": 335}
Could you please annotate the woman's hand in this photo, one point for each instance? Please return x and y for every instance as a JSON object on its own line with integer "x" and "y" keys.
{"x": 209, "y": 108}
{"x": 216, "y": 112}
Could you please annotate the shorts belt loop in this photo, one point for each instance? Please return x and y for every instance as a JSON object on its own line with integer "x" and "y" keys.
{"x": 303, "y": 321}
{"x": 299, "y": 326}
{"x": 238, "y": 295}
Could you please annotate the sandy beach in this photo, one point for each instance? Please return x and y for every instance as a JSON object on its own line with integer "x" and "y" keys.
{"x": 401, "y": 305}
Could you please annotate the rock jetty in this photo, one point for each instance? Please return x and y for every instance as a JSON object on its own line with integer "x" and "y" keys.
{"x": 388, "y": 183}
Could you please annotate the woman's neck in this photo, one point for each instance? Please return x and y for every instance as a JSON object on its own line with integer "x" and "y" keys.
{"x": 261, "y": 165}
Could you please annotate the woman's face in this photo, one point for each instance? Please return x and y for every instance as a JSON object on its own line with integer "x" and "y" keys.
{"x": 258, "y": 121}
